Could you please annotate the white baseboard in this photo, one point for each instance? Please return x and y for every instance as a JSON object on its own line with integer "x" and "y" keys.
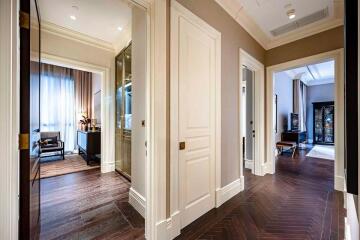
{"x": 352, "y": 229}
{"x": 225, "y": 193}
{"x": 249, "y": 164}
{"x": 137, "y": 201}
{"x": 173, "y": 225}
{"x": 267, "y": 168}
{"x": 339, "y": 183}
{"x": 107, "y": 167}
{"x": 169, "y": 228}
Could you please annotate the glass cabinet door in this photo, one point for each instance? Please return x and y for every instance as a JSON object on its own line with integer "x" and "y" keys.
{"x": 123, "y": 112}
{"x": 329, "y": 124}
{"x": 324, "y": 113}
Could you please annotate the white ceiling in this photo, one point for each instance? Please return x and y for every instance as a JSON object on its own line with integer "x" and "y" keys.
{"x": 259, "y": 17}
{"x": 314, "y": 74}
{"x": 271, "y": 14}
{"x": 95, "y": 18}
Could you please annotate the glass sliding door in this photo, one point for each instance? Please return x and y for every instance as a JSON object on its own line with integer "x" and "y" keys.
{"x": 123, "y": 112}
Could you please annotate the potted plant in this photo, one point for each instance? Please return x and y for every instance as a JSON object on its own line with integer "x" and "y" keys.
{"x": 85, "y": 121}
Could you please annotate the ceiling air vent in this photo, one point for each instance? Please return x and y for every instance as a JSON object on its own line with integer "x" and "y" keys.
{"x": 314, "y": 17}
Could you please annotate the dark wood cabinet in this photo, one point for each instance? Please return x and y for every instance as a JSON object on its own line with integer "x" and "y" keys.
{"x": 89, "y": 144}
{"x": 294, "y": 136}
{"x": 323, "y": 121}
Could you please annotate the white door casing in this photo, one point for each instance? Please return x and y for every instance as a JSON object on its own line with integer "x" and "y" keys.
{"x": 195, "y": 115}
{"x": 338, "y": 56}
{"x": 258, "y": 111}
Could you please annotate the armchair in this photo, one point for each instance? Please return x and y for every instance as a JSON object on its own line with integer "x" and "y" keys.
{"x": 50, "y": 142}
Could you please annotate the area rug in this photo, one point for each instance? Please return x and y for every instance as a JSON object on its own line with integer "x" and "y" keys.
{"x": 322, "y": 151}
{"x": 72, "y": 163}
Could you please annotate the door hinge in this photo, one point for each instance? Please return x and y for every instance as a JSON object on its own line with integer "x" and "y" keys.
{"x": 24, "y": 141}
{"x": 24, "y": 20}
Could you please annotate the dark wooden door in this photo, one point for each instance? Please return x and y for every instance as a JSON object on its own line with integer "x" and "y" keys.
{"x": 351, "y": 96}
{"x": 29, "y": 120}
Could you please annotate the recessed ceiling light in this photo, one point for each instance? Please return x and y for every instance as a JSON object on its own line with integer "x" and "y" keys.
{"x": 73, "y": 17}
{"x": 291, "y": 13}
{"x": 119, "y": 28}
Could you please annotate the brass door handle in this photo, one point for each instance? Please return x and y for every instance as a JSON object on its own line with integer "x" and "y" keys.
{"x": 181, "y": 145}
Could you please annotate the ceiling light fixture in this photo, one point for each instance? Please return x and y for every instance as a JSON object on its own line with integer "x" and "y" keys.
{"x": 119, "y": 28}
{"x": 73, "y": 17}
{"x": 291, "y": 13}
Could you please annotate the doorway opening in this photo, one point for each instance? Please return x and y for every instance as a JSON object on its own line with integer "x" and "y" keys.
{"x": 248, "y": 118}
{"x": 73, "y": 90}
{"x": 77, "y": 98}
{"x": 251, "y": 118}
{"x": 305, "y": 113}
{"x": 306, "y": 108}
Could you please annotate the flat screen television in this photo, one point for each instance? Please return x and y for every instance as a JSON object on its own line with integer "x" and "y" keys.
{"x": 294, "y": 117}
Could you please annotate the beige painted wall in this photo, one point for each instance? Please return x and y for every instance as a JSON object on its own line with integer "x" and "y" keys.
{"x": 74, "y": 50}
{"x": 233, "y": 37}
{"x": 322, "y": 42}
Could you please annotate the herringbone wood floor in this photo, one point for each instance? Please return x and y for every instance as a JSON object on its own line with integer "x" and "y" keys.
{"x": 298, "y": 202}
{"x": 88, "y": 205}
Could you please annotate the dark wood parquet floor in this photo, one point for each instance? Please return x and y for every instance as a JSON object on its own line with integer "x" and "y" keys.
{"x": 298, "y": 202}
{"x": 88, "y": 205}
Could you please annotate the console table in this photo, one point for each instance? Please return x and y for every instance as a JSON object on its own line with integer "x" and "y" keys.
{"x": 89, "y": 143}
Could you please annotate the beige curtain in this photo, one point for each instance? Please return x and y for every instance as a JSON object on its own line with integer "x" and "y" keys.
{"x": 299, "y": 102}
{"x": 83, "y": 92}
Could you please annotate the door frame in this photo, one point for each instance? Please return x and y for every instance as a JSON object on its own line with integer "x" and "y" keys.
{"x": 245, "y": 59}
{"x": 9, "y": 119}
{"x": 338, "y": 56}
{"x": 106, "y": 134}
{"x": 156, "y": 222}
{"x": 178, "y": 11}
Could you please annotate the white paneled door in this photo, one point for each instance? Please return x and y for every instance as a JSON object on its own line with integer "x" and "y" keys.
{"x": 195, "y": 76}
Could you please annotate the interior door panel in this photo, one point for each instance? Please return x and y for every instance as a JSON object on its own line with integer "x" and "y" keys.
{"x": 196, "y": 86}
{"x": 29, "y": 222}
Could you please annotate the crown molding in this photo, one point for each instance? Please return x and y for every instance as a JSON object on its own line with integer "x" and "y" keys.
{"x": 76, "y": 36}
{"x": 237, "y": 12}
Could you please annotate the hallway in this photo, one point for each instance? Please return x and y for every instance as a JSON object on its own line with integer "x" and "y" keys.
{"x": 298, "y": 202}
